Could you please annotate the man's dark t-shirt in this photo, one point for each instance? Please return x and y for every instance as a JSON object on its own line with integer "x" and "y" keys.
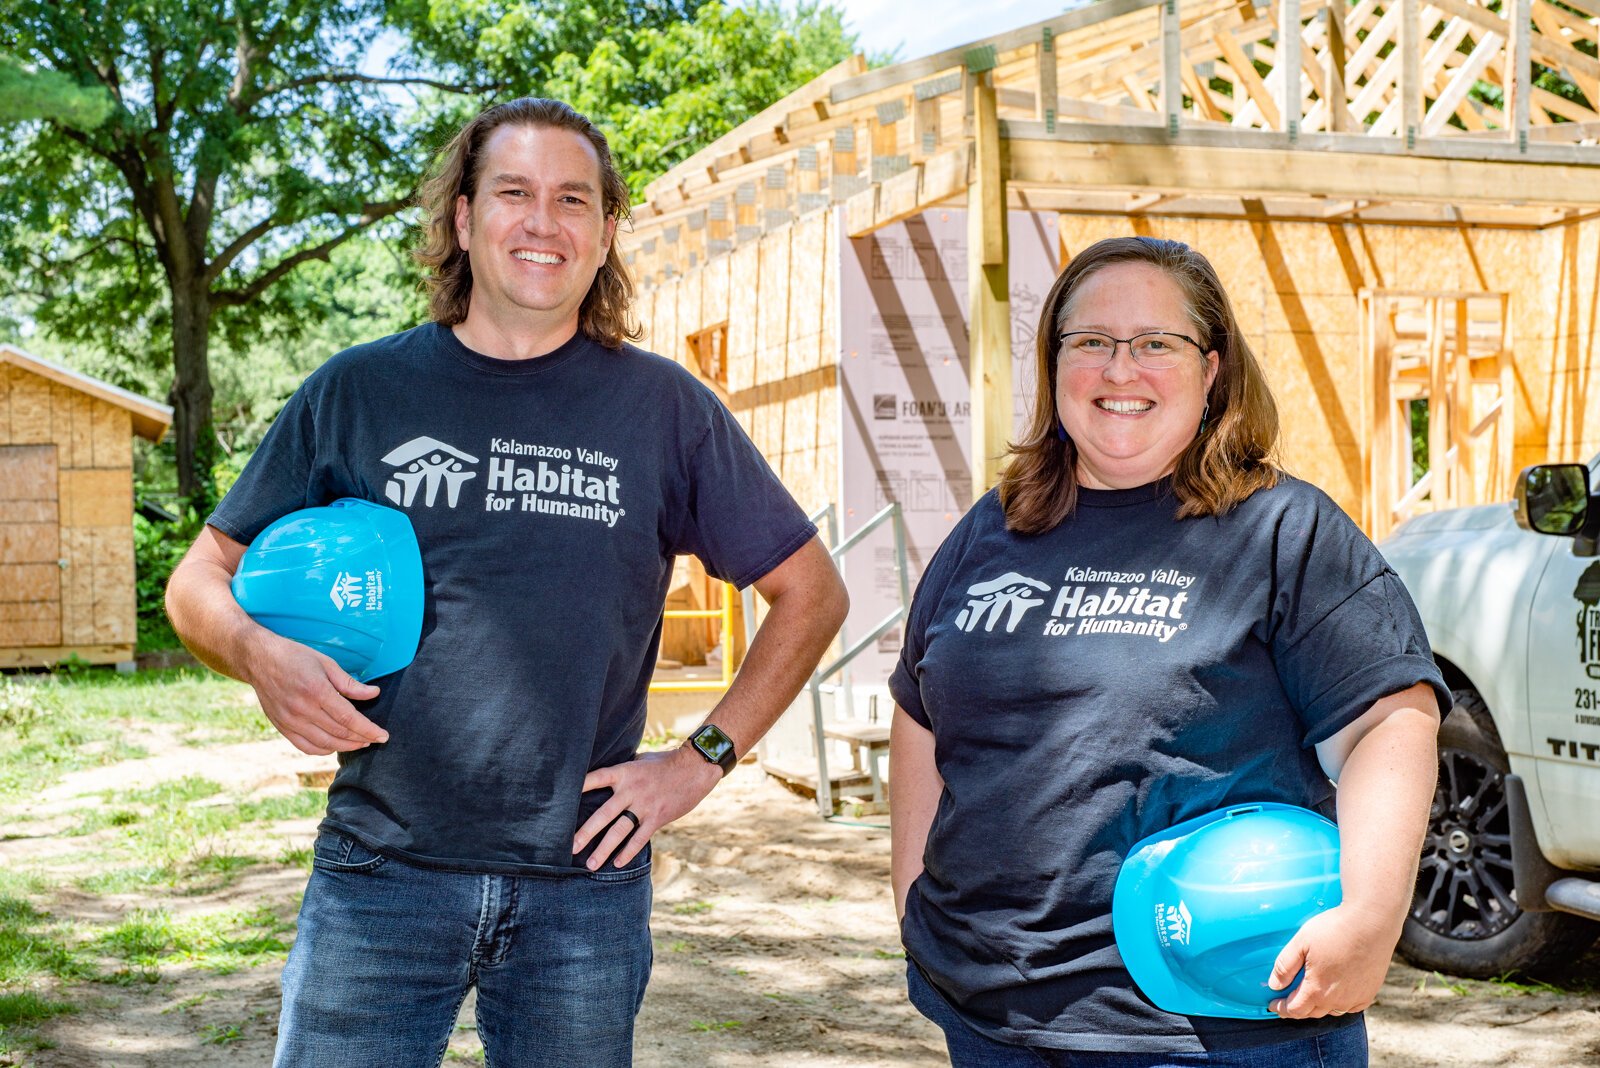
{"x": 550, "y": 497}
{"x": 1102, "y": 681}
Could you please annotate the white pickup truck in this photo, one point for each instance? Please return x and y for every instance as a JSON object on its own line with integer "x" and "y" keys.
{"x": 1510, "y": 596}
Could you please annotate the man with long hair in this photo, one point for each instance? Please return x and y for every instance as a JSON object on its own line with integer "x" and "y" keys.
{"x": 489, "y": 822}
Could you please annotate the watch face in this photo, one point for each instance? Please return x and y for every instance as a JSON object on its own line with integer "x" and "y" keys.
{"x": 713, "y": 744}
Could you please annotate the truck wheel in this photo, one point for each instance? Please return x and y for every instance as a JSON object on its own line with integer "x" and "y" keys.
{"x": 1464, "y": 917}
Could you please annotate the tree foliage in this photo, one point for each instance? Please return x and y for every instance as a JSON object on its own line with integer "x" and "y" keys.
{"x": 34, "y": 94}
{"x": 243, "y": 143}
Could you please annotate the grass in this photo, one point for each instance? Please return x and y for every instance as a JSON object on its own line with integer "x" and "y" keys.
{"x": 217, "y": 942}
{"x": 82, "y": 718}
{"x": 181, "y": 836}
{"x": 161, "y": 837}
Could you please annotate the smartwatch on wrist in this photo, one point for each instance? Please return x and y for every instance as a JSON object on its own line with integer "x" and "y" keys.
{"x": 710, "y": 742}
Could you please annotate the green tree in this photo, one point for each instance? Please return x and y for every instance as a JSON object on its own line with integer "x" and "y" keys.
{"x": 243, "y": 140}
{"x": 246, "y": 142}
{"x": 663, "y": 92}
{"x": 32, "y": 94}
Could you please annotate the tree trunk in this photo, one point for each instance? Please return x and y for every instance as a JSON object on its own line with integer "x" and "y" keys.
{"x": 194, "y": 430}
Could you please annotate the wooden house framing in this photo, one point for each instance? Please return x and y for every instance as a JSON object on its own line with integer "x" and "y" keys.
{"x": 1402, "y": 197}
{"x": 66, "y": 512}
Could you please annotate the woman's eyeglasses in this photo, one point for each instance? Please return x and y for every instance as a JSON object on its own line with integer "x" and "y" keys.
{"x": 1155, "y": 351}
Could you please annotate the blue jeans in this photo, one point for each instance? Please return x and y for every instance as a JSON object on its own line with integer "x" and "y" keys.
{"x": 386, "y": 953}
{"x": 969, "y": 1048}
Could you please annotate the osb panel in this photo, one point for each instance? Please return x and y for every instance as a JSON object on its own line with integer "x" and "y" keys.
{"x": 96, "y": 498}
{"x": 111, "y": 546}
{"x": 1318, "y": 379}
{"x": 29, "y": 632}
{"x": 770, "y": 364}
{"x": 804, "y": 355}
{"x": 30, "y": 612}
{"x": 1431, "y": 258}
{"x": 6, "y": 371}
{"x": 690, "y": 318}
{"x": 644, "y": 309}
{"x": 714, "y": 291}
{"x": 30, "y": 409}
{"x": 28, "y": 473}
{"x": 668, "y": 339}
{"x": 1324, "y": 316}
{"x": 1573, "y": 399}
{"x": 773, "y": 310}
{"x": 77, "y": 622}
{"x": 29, "y": 543}
{"x": 30, "y": 582}
{"x": 800, "y": 416}
{"x": 1078, "y": 232}
{"x": 1572, "y": 252}
{"x": 744, "y": 299}
{"x": 113, "y": 605}
{"x": 807, "y": 269}
{"x": 828, "y": 415}
{"x": 29, "y": 511}
{"x": 112, "y": 430}
{"x": 1233, "y": 251}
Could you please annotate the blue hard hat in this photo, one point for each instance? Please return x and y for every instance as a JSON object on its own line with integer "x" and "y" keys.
{"x": 345, "y": 579}
{"x": 1202, "y": 910}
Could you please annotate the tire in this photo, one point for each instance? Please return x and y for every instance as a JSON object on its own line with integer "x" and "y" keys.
{"x": 1464, "y": 918}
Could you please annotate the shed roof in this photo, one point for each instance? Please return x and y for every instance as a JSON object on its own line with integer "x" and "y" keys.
{"x": 150, "y": 418}
{"x": 1322, "y": 110}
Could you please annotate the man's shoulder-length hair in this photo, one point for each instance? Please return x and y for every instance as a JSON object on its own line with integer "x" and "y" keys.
{"x": 1230, "y": 456}
{"x": 606, "y": 314}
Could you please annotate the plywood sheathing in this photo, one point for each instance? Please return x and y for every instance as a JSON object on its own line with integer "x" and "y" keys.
{"x": 92, "y": 511}
{"x": 1296, "y": 286}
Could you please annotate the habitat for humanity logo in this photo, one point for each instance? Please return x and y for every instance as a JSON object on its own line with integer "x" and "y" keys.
{"x": 346, "y": 592}
{"x": 1173, "y": 923}
{"x": 426, "y": 464}
{"x": 1010, "y": 593}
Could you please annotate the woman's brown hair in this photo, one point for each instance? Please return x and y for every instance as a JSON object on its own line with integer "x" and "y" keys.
{"x": 1225, "y": 463}
{"x": 605, "y": 314}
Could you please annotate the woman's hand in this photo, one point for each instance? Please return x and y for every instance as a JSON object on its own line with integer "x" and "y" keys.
{"x": 1345, "y": 953}
{"x": 1385, "y": 763}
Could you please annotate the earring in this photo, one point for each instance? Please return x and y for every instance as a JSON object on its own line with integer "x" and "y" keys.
{"x": 1061, "y": 431}
{"x": 1203, "y": 413}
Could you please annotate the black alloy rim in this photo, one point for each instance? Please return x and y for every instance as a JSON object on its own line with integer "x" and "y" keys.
{"x": 1465, "y": 888}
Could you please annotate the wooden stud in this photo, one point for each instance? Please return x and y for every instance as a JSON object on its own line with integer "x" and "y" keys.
{"x": 989, "y": 293}
{"x": 1288, "y": 67}
{"x": 1047, "y": 79}
{"x": 1410, "y": 81}
{"x": 1332, "y": 88}
{"x": 1520, "y": 62}
{"x": 1171, "y": 65}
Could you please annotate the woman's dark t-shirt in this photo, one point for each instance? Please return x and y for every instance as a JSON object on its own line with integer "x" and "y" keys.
{"x": 1091, "y": 685}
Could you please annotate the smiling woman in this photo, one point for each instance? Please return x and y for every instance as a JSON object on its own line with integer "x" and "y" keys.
{"x": 1186, "y": 629}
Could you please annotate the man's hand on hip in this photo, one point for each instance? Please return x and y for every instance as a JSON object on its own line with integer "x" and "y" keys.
{"x": 307, "y": 697}
{"x": 656, "y": 788}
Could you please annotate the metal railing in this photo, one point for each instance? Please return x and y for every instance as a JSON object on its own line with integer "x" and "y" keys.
{"x": 724, "y": 613}
{"x": 840, "y": 665}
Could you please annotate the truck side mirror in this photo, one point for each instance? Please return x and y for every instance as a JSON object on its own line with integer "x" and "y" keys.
{"x": 1553, "y": 499}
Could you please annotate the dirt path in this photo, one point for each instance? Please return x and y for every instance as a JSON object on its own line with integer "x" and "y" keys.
{"x": 775, "y": 946}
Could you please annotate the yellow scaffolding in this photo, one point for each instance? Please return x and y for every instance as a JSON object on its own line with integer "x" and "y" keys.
{"x": 725, "y": 613}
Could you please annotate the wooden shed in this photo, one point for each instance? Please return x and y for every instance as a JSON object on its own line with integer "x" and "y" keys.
{"x": 1401, "y": 196}
{"x": 66, "y": 512}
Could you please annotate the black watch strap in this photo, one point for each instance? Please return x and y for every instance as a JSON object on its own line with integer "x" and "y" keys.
{"x": 712, "y": 743}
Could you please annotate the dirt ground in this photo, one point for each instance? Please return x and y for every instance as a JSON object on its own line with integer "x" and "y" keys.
{"x": 775, "y": 946}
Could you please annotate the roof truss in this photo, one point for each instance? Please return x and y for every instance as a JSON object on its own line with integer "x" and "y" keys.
{"x": 1469, "y": 114}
